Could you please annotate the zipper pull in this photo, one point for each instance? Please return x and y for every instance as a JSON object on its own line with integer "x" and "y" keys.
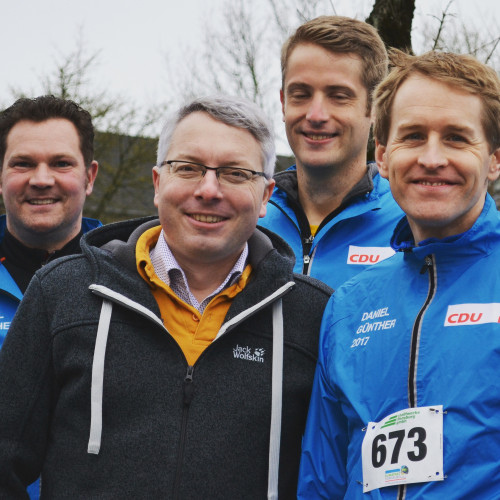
{"x": 306, "y": 259}
{"x": 187, "y": 387}
{"x": 427, "y": 264}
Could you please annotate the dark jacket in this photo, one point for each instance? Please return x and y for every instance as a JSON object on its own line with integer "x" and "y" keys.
{"x": 168, "y": 430}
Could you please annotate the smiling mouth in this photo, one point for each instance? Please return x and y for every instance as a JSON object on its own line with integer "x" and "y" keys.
{"x": 48, "y": 201}
{"x": 433, "y": 184}
{"x": 320, "y": 137}
{"x": 211, "y": 219}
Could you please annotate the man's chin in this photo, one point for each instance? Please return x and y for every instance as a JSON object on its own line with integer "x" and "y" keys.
{"x": 38, "y": 232}
{"x": 319, "y": 167}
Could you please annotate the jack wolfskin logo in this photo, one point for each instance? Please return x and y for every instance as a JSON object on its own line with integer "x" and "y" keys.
{"x": 249, "y": 354}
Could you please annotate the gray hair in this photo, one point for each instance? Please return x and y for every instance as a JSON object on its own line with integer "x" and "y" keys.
{"x": 233, "y": 111}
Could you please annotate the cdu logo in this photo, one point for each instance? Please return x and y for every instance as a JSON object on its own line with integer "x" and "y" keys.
{"x": 472, "y": 314}
{"x": 367, "y": 256}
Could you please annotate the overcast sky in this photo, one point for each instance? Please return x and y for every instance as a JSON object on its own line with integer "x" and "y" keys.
{"x": 133, "y": 36}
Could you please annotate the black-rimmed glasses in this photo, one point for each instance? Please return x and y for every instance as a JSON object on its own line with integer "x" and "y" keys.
{"x": 190, "y": 170}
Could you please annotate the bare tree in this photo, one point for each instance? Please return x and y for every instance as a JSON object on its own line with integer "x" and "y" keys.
{"x": 233, "y": 58}
{"x": 448, "y": 32}
{"x": 393, "y": 20}
{"x": 122, "y": 148}
{"x": 240, "y": 52}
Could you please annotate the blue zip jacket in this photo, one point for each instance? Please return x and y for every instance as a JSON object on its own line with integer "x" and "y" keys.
{"x": 351, "y": 238}
{"x": 10, "y": 296}
{"x": 420, "y": 329}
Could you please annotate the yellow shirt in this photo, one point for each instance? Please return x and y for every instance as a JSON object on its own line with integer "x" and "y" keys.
{"x": 192, "y": 330}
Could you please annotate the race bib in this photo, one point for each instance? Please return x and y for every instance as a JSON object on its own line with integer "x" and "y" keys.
{"x": 405, "y": 447}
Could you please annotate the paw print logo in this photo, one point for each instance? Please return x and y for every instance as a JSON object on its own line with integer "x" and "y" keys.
{"x": 259, "y": 352}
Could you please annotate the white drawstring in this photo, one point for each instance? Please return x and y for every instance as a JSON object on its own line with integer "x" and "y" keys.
{"x": 276, "y": 404}
{"x": 98, "y": 378}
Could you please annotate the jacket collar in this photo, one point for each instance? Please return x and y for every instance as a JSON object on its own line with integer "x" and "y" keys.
{"x": 87, "y": 225}
{"x": 120, "y": 240}
{"x": 287, "y": 181}
{"x": 479, "y": 239}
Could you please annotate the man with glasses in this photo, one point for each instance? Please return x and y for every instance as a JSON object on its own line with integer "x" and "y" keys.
{"x": 174, "y": 358}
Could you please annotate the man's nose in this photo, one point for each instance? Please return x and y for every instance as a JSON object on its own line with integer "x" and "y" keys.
{"x": 317, "y": 110}
{"x": 42, "y": 176}
{"x": 433, "y": 154}
{"x": 209, "y": 187}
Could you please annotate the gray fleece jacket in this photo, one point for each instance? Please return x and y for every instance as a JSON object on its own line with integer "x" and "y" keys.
{"x": 97, "y": 396}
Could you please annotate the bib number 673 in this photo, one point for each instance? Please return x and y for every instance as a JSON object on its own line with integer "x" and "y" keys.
{"x": 379, "y": 448}
{"x": 404, "y": 447}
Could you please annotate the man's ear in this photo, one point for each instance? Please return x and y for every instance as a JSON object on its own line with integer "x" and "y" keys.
{"x": 282, "y": 99}
{"x": 494, "y": 167}
{"x": 91, "y": 175}
{"x": 268, "y": 191}
{"x": 156, "y": 184}
{"x": 380, "y": 158}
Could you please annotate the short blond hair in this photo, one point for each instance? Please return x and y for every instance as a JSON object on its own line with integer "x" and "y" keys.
{"x": 457, "y": 70}
{"x": 339, "y": 34}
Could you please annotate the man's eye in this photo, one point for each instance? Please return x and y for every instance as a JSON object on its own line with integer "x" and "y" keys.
{"x": 339, "y": 97}
{"x": 235, "y": 175}
{"x": 298, "y": 95}
{"x": 21, "y": 164}
{"x": 62, "y": 164}
{"x": 456, "y": 138}
{"x": 185, "y": 168}
{"x": 414, "y": 136}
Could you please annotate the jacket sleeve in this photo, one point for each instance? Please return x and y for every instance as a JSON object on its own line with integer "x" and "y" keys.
{"x": 324, "y": 447}
{"x": 26, "y": 381}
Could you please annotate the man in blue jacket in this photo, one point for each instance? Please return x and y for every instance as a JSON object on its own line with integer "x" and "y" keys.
{"x": 406, "y": 396}
{"x": 47, "y": 171}
{"x": 333, "y": 209}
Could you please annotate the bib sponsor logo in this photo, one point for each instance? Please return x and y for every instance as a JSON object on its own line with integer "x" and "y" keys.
{"x": 367, "y": 256}
{"x": 395, "y": 475}
{"x": 472, "y": 314}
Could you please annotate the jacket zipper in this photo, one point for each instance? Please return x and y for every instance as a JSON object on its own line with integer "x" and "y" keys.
{"x": 187, "y": 396}
{"x": 430, "y": 267}
{"x": 306, "y": 249}
{"x": 302, "y": 228}
{"x": 187, "y": 385}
